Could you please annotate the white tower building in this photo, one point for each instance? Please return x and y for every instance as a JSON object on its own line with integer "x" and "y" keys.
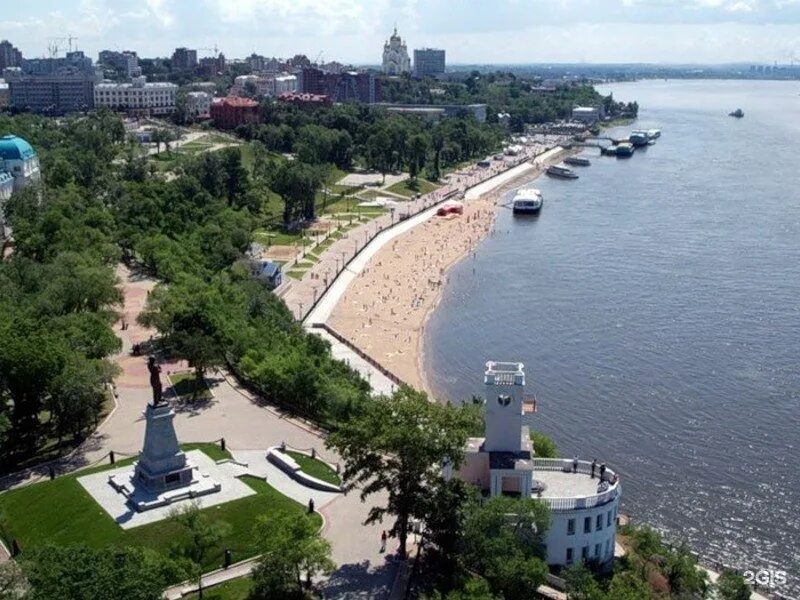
{"x": 395, "y": 56}
{"x": 583, "y": 496}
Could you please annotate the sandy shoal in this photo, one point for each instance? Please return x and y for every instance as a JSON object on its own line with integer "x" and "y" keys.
{"x": 384, "y": 310}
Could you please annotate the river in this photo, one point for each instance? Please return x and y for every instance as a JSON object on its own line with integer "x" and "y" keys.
{"x": 656, "y": 305}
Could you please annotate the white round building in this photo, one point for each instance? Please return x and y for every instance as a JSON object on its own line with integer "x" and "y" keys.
{"x": 583, "y": 498}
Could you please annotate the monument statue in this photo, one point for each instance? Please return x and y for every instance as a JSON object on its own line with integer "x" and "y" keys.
{"x": 155, "y": 379}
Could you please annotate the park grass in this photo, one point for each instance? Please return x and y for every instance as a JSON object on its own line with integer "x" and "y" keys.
{"x": 315, "y": 468}
{"x": 235, "y": 589}
{"x": 62, "y": 512}
{"x": 296, "y": 273}
{"x": 186, "y": 387}
{"x": 410, "y": 187}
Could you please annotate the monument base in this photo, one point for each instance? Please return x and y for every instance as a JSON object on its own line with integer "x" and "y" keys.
{"x": 142, "y": 498}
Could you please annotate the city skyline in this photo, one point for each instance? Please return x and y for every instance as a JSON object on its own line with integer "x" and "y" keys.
{"x": 505, "y": 32}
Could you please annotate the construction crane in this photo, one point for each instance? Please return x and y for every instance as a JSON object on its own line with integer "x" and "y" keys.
{"x": 56, "y": 44}
{"x": 318, "y": 60}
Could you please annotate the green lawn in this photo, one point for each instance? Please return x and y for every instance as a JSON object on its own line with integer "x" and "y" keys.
{"x": 409, "y": 188}
{"x": 186, "y": 387}
{"x": 315, "y": 468}
{"x": 235, "y": 589}
{"x": 62, "y": 512}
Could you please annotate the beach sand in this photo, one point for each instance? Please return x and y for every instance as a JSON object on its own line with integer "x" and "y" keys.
{"x": 383, "y": 312}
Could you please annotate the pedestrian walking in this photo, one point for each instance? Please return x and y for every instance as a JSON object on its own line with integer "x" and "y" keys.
{"x": 602, "y": 471}
{"x": 310, "y": 506}
{"x": 383, "y": 541}
{"x": 575, "y": 465}
{"x": 594, "y": 466}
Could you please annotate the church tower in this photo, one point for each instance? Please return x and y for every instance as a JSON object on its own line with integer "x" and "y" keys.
{"x": 505, "y": 391}
{"x": 395, "y": 56}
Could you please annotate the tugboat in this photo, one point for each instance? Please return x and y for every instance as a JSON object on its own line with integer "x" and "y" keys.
{"x": 561, "y": 172}
{"x": 527, "y": 202}
{"x": 578, "y": 161}
{"x": 738, "y": 113}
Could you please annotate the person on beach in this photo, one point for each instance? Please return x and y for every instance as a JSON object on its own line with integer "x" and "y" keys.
{"x": 383, "y": 541}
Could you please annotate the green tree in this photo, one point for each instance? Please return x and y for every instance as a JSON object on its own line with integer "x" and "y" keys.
{"x": 627, "y": 586}
{"x": 732, "y": 586}
{"x": 504, "y": 542}
{"x": 581, "y": 584}
{"x": 187, "y": 315}
{"x": 291, "y": 549}
{"x": 417, "y": 153}
{"x": 399, "y": 445}
{"x": 378, "y": 153}
{"x": 297, "y": 183}
{"x": 543, "y": 446}
{"x": 82, "y": 573}
{"x": 204, "y": 536}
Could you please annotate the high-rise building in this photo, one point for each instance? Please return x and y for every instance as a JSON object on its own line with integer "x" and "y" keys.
{"x": 184, "y": 59}
{"x": 126, "y": 62}
{"x": 348, "y": 86}
{"x": 395, "y": 56}
{"x": 9, "y": 55}
{"x": 55, "y": 94}
{"x": 75, "y": 61}
{"x": 428, "y": 62}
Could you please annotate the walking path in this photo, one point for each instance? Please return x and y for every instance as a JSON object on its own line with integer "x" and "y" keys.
{"x": 247, "y": 425}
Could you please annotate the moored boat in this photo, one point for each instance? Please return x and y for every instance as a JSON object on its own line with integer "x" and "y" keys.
{"x": 561, "y": 172}
{"x": 654, "y": 134}
{"x": 738, "y": 113}
{"x": 527, "y": 202}
{"x": 625, "y": 149}
{"x": 639, "y": 138}
{"x": 578, "y": 161}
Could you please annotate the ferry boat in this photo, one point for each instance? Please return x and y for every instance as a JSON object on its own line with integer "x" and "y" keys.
{"x": 562, "y": 172}
{"x": 527, "y": 202}
{"x": 625, "y": 149}
{"x": 639, "y": 138}
{"x": 738, "y": 113}
{"x": 578, "y": 161}
{"x": 654, "y": 134}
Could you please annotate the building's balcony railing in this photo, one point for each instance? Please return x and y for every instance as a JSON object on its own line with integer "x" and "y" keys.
{"x": 584, "y": 467}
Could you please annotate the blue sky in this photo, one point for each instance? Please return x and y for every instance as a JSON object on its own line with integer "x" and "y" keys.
{"x": 511, "y": 31}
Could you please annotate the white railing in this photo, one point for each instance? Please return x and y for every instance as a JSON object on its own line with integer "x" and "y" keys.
{"x": 584, "y": 467}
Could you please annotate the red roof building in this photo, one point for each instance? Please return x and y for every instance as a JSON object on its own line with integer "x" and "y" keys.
{"x": 230, "y": 112}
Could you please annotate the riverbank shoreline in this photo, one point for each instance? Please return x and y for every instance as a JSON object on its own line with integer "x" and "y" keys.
{"x": 385, "y": 308}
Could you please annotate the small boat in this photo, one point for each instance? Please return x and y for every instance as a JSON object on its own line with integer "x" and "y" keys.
{"x": 738, "y": 113}
{"x": 562, "y": 172}
{"x": 654, "y": 134}
{"x": 527, "y": 202}
{"x": 609, "y": 150}
{"x": 625, "y": 149}
{"x": 578, "y": 161}
{"x": 639, "y": 138}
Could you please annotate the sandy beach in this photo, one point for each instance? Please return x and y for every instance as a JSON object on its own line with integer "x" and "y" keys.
{"x": 384, "y": 310}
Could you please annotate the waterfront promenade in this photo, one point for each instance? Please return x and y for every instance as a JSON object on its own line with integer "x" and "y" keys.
{"x": 378, "y": 307}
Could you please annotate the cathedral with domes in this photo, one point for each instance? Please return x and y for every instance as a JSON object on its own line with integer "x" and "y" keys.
{"x": 395, "y": 56}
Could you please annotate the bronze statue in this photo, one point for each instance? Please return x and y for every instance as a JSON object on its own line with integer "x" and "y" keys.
{"x": 155, "y": 379}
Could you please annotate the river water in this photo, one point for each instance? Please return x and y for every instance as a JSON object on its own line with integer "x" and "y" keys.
{"x": 656, "y": 305}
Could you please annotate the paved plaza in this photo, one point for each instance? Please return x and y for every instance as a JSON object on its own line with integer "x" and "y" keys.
{"x": 116, "y": 504}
